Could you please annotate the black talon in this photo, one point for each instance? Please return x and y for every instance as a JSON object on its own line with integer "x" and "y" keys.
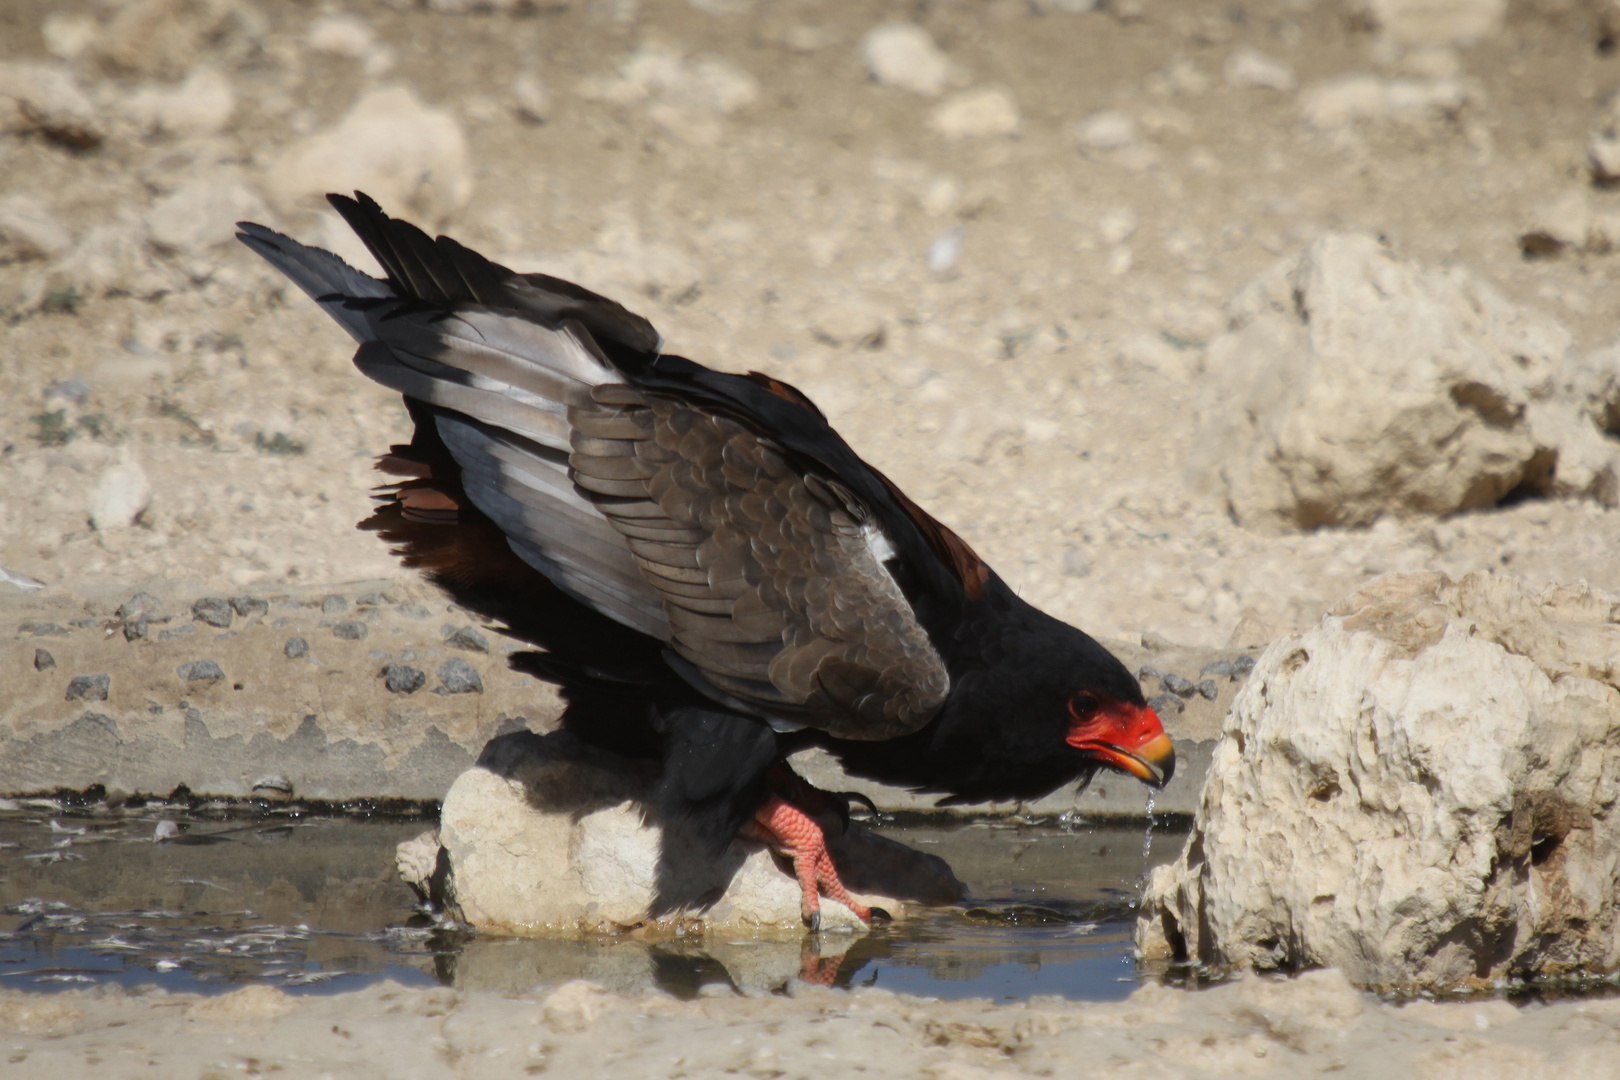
{"x": 879, "y": 915}
{"x": 815, "y": 922}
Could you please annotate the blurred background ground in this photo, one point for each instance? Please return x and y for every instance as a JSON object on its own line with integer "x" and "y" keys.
{"x": 992, "y": 249}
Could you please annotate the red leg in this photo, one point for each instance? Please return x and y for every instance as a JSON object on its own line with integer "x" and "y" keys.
{"x": 818, "y": 970}
{"x": 789, "y": 830}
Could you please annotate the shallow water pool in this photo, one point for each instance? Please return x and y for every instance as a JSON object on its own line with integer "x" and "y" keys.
{"x": 208, "y": 899}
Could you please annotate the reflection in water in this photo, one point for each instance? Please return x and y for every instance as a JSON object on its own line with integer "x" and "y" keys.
{"x": 315, "y": 905}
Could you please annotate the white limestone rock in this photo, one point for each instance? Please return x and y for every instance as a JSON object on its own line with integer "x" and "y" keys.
{"x": 1105, "y": 131}
{"x": 980, "y": 113}
{"x": 29, "y": 230}
{"x": 120, "y": 496}
{"x": 1603, "y": 143}
{"x": 110, "y": 256}
{"x": 165, "y": 38}
{"x": 48, "y": 99}
{"x": 1420, "y": 791}
{"x": 1359, "y": 97}
{"x": 905, "y": 55}
{"x": 1247, "y": 67}
{"x": 202, "y": 213}
{"x": 410, "y": 157}
{"x": 546, "y": 836}
{"x": 1352, "y": 383}
{"x": 351, "y": 37}
{"x": 1419, "y": 23}
{"x": 69, "y": 35}
{"x": 202, "y": 105}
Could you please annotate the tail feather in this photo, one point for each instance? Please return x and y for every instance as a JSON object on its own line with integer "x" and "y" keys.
{"x": 498, "y": 358}
{"x": 443, "y": 272}
{"x": 437, "y": 271}
{"x": 327, "y": 279}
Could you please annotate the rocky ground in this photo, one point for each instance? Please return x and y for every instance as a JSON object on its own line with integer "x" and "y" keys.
{"x": 996, "y": 244}
{"x": 1265, "y": 1028}
{"x": 1002, "y": 299}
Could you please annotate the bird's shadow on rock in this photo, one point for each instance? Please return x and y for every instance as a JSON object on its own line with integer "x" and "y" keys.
{"x": 561, "y": 775}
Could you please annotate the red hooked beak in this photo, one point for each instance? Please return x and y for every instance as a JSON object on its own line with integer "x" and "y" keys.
{"x": 1126, "y": 737}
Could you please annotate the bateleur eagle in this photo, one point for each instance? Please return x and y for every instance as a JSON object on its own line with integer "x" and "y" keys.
{"x": 714, "y": 575}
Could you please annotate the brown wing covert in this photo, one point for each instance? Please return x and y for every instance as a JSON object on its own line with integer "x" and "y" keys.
{"x": 770, "y": 577}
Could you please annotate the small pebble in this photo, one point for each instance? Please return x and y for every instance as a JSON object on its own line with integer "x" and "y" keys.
{"x": 350, "y": 631}
{"x": 199, "y": 670}
{"x": 1218, "y": 668}
{"x": 1153, "y": 641}
{"x": 136, "y": 628}
{"x": 401, "y": 679}
{"x": 1147, "y": 672}
{"x": 945, "y": 249}
{"x": 1161, "y": 702}
{"x": 371, "y": 599}
{"x": 904, "y": 54}
{"x": 408, "y": 654}
{"x": 1250, "y": 67}
{"x": 1105, "y": 131}
{"x": 213, "y": 610}
{"x": 334, "y": 605}
{"x": 1178, "y": 685}
{"x": 296, "y": 647}
{"x": 43, "y": 660}
{"x": 466, "y": 638}
{"x": 413, "y": 611}
{"x": 1242, "y": 666}
{"x": 1075, "y": 564}
{"x": 75, "y": 390}
{"x": 42, "y": 629}
{"x": 460, "y": 677}
{"x": 1208, "y": 688}
{"x": 88, "y": 688}
{"x": 142, "y": 603}
{"x": 178, "y": 632}
{"x": 379, "y": 654}
{"x": 247, "y": 606}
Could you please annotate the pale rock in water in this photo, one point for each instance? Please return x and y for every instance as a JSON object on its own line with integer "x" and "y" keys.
{"x": 1421, "y": 791}
{"x": 548, "y": 836}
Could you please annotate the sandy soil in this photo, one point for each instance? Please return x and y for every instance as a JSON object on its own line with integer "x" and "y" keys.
{"x": 1264, "y": 1028}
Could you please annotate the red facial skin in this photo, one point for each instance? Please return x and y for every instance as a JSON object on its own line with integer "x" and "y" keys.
{"x": 1124, "y": 736}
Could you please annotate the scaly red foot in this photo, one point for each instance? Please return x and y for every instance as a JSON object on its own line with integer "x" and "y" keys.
{"x": 789, "y": 830}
